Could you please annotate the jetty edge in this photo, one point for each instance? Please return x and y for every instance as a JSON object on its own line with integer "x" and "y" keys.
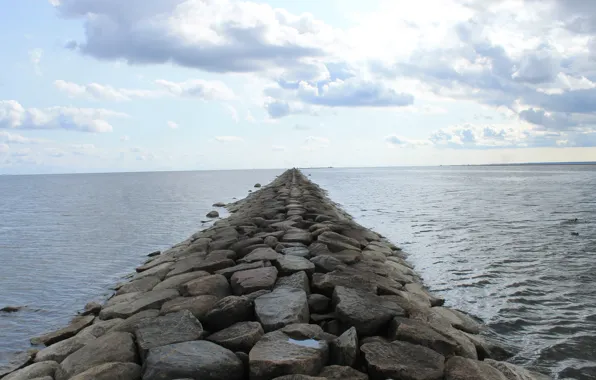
{"x": 287, "y": 287}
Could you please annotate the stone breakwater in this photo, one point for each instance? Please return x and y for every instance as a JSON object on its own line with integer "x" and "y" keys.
{"x": 287, "y": 287}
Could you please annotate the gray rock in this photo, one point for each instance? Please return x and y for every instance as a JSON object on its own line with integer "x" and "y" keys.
{"x": 420, "y": 333}
{"x": 130, "y": 324}
{"x": 402, "y": 360}
{"x": 243, "y": 243}
{"x": 222, "y": 243}
{"x": 57, "y": 352}
{"x": 154, "y": 253}
{"x": 219, "y": 204}
{"x": 99, "y": 327}
{"x": 77, "y": 325}
{"x": 16, "y": 362}
{"x": 297, "y": 236}
{"x": 199, "y": 306}
{"x": 111, "y": 371}
{"x": 304, "y": 331}
{"x": 212, "y": 214}
{"x": 176, "y": 327}
{"x": 195, "y": 360}
{"x": 174, "y": 282}
{"x": 515, "y": 372}
{"x": 227, "y": 311}
{"x": 487, "y": 349}
{"x": 298, "y": 280}
{"x": 458, "y": 368}
{"x": 299, "y": 377}
{"x": 112, "y": 347}
{"x": 214, "y": 285}
{"x": 40, "y": 369}
{"x": 296, "y": 251}
{"x": 282, "y": 307}
{"x": 158, "y": 271}
{"x": 241, "y": 336}
{"x": 254, "y": 295}
{"x": 289, "y": 264}
{"x": 326, "y": 283}
{"x": 337, "y": 243}
{"x": 271, "y": 241}
{"x": 345, "y": 348}
{"x": 208, "y": 264}
{"x": 228, "y": 272}
{"x": 326, "y": 263}
{"x": 276, "y": 354}
{"x": 336, "y": 372}
{"x": 318, "y": 303}
{"x": 245, "y": 251}
{"x": 92, "y": 308}
{"x": 144, "y": 284}
{"x": 260, "y": 254}
{"x": 150, "y": 300}
{"x": 257, "y": 185}
{"x": 459, "y": 320}
{"x": 123, "y": 298}
{"x": 252, "y": 280}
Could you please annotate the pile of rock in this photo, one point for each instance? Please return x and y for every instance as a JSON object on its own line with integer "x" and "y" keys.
{"x": 288, "y": 287}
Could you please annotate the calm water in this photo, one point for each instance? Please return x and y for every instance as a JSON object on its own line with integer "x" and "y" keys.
{"x": 495, "y": 241}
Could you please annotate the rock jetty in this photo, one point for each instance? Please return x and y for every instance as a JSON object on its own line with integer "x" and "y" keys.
{"x": 288, "y": 287}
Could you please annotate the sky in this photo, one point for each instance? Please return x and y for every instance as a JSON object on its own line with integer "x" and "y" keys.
{"x": 137, "y": 85}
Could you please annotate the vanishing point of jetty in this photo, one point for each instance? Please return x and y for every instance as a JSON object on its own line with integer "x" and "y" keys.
{"x": 289, "y": 288}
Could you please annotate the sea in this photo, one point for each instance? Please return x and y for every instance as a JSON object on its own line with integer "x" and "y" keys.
{"x": 513, "y": 245}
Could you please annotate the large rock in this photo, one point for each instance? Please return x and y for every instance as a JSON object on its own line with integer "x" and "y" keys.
{"x": 402, "y": 360}
{"x": 298, "y": 280}
{"x": 318, "y": 303}
{"x": 112, "y": 347}
{"x": 214, "y": 285}
{"x": 252, "y": 280}
{"x": 59, "y": 351}
{"x": 289, "y": 264}
{"x": 336, "y": 372}
{"x": 515, "y": 372}
{"x": 33, "y": 371}
{"x": 130, "y": 324}
{"x": 326, "y": 263}
{"x": 192, "y": 360}
{"x": 282, "y": 307}
{"x": 241, "y": 244}
{"x": 241, "y": 336}
{"x": 337, "y": 242}
{"x": 150, "y": 300}
{"x": 458, "y": 319}
{"x": 345, "y": 349}
{"x": 228, "y": 311}
{"x": 50, "y": 338}
{"x": 458, "y": 368}
{"x": 158, "y": 271}
{"x": 276, "y": 354}
{"x": 111, "y": 371}
{"x": 172, "y": 328}
{"x": 144, "y": 284}
{"x": 199, "y": 306}
{"x": 209, "y": 264}
{"x": 303, "y": 331}
{"x": 16, "y": 362}
{"x": 174, "y": 282}
{"x": 229, "y": 272}
{"x": 326, "y": 283}
{"x": 297, "y": 236}
{"x": 260, "y": 254}
{"x": 296, "y": 251}
{"x": 418, "y": 332}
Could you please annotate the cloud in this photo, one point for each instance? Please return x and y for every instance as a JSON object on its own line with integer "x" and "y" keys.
{"x": 480, "y": 136}
{"x": 403, "y": 142}
{"x": 228, "y": 139}
{"x": 4, "y": 148}
{"x": 232, "y": 111}
{"x": 172, "y": 125}
{"x": 278, "y": 148}
{"x": 277, "y": 109}
{"x": 13, "y": 138}
{"x": 14, "y": 116}
{"x": 197, "y": 88}
{"x": 315, "y": 142}
{"x": 301, "y": 127}
{"x": 35, "y": 58}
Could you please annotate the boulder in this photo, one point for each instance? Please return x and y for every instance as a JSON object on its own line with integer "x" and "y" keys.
{"x": 199, "y": 306}
{"x": 297, "y": 236}
{"x": 154, "y": 253}
{"x": 345, "y": 349}
{"x": 219, "y": 204}
{"x": 458, "y": 319}
{"x": 59, "y": 351}
{"x": 282, "y": 307}
{"x": 458, "y": 368}
{"x": 99, "y": 328}
{"x": 214, "y": 285}
{"x": 227, "y": 311}
{"x": 257, "y": 185}
{"x": 212, "y": 214}
{"x": 150, "y": 300}
{"x": 252, "y": 280}
{"x": 271, "y": 241}
{"x": 208, "y": 264}
{"x": 130, "y": 324}
{"x": 298, "y": 280}
{"x": 243, "y": 243}
{"x": 318, "y": 303}
{"x": 158, "y": 271}
{"x": 260, "y": 254}
{"x": 40, "y": 369}
{"x": 241, "y": 336}
{"x": 337, "y": 372}
{"x": 193, "y": 360}
{"x": 421, "y": 333}
{"x": 515, "y": 372}
{"x": 144, "y": 284}
{"x": 337, "y": 243}
{"x": 174, "y": 282}
{"x": 488, "y": 349}
{"x": 326, "y": 263}
{"x": 111, "y": 371}
{"x": 77, "y": 325}
{"x": 228, "y": 272}
{"x": 289, "y": 264}
{"x": 16, "y": 362}
{"x": 172, "y": 328}
{"x": 296, "y": 251}
{"x": 91, "y": 308}
{"x": 302, "y": 331}
{"x": 11, "y": 309}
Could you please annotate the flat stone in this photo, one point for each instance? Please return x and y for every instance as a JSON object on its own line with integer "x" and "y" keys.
{"x": 228, "y": 272}
{"x": 245, "y": 251}
{"x": 402, "y": 360}
{"x": 299, "y": 377}
{"x": 298, "y": 280}
{"x": 336, "y": 372}
{"x": 515, "y": 372}
{"x": 252, "y": 280}
{"x": 275, "y": 234}
{"x": 318, "y": 303}
{"x": 367, "y": 312}
{"x": 111, "y": 371}
{"x": 151, "y": 263}
{"x": 373, "y": 256}
{"x": 112, "y": 347}
{"x": 56, "y": 336}
{"x": 254, "y": 295}
{"x": 34, "y": 370}
{"x": 243, "y": 243}
{"x": 16, "y": 362}
{"x": 150, "y": 300}
{"x": 326, "y": 263}
{"x": 144, "y": 284}
{"x": 214, "y": 285}
{"x": 297, "y": 236}
{"x": 318, "y": 249}
{"x": 347, "y": 256}
{"x": 228, "y": 311}
{"x": 57, "y": 352}
{"x": 260, "y": 254}
{"x": 123, "y": 298}
{"x": 337, "y": 242}
{"x": 459, "y": 320}
{"x": 303, "y": 331}
{"x": 287, "y": 265}
{"x": 345, "y": 349}
{"x": 222, "y": 243}
{"x": 158, "y": 271}
{"x": 419, "y": 289}
{"x": 99, "y": 327}
{"x": 130, "y": 324}
{"x": 172, "y": 328}
{"x": 193, "y": 360}
{"x": 281, "y": 307}
{"x": 174, "y": 282}
{"x": 199, "y": 306}
{"x": 241, "y": 336}
{"x": 326, "y": 283}
{"x": 458, "y": 368}
{"x": 284, "y": 226}
{"x": 296, "y": 251}
{"x": 420, "y": 333}
{"x": 276, "y": 354}
{"x": 209, "y": 264}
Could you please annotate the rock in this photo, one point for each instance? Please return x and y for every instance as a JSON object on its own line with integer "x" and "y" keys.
{"x": 345, "y": 349}
{"x": 16, "y": 362}
{"x": 91, "y": 308}
{"x": 487, "y": 349}
{"x": 419, "y": 289}
{"x": 326, "y": 283}
{"x": 212, "y": 214}
{"x": 130, "y": 324}
{"x": 241, "y": 244}
{"x": 215, "y": 285}
{"x": 11, "y": 309}
{"x": 257, "y": 185}
{"x": 158, "y": 271}
{"x": 296, "y": 251}
{"x": 112, "y": 347}
{"x": 254, "y": 295}
{"x": 64, "y": 333}
{"x": 271, "y": 241}
{"x": 336, "y": 372}
{"x": 299, "y": 377}
{"x": 199, "y": 306}
{"x": 228, "y": 272}
{"x": 326, "y": 263}
{"x": 303, "y": 331}
{"x": 143, "y": 285}
{"x": 154, "y": 253}
{"x": 260, "y": 254}
{"x": 57, "y": 352}
{"x": 289, "y": 264}
{"x": 174, "y": 282}
{"x": 282, "y": 307}
{"x": 194, "y": 360}
{"x": 99, "y": 328}
{"x": 276, "y": 354}
{"x": 515, "y": 372}
{"x": 252, "y": 280}
{"x": 367, "y": 312}
{"x": 176, "y": 327}
{"x": 111, "y": 371}
{"x": 298, "y": 280}
{"x": 245, "y": 251}
{"x": 337, "y": 243}
{"x": 241, "y": 336}
{"x": 228, "y": 311}
{"x": 458, "y": 368}
{"x": 318, "y": 303}
{"x": 219, "y": 204}
{"x": 123, "y": 298}
{"x": 420, "y": 333}
{"x": 297, "y": 236}
{"x": 150, "y": 300}
{"x": 33, "y": 371}
{"x": 458, "y": 320}
{"x": 402, "y": 360}
{"x": 222, "y": 243}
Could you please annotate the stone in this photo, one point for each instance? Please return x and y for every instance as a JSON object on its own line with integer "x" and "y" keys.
{"x": 57, "y": 352}
{"x": 281, "y": 307}
{"x": 420, "y": 333}
{"x": 299, "y": 377}
{"x": 337, "y": 243}
{"x": 228, "y": 311}
{"x": 243, "y": 243}
{"x": 318, "y": 303}
{"x": 326, "y": 283}
{"x": 345, "y": 349}
{"x": 276, "y": 355}
{"x": 271, "y": 241}
{"x": 297, "y": 236}
{"x": 219, "y": 204}
{"x": 214, "y": 285}
{"x": 254, "y": 295}
{"x": 111, "y": 371}
{"x": 152, "y": 263}
{"x": 419, "y": 289}
{"x": 458, "y": 319}
{"x": 241, "y": 336}
{"x": 487, "y": 349}
{"x": 402, "y": 360}
{"x": 212, "y": 214}
{"x": 40, "y": 369}
{"x": 222, "y": 243}
{"x": 91, "y": 308}
{"x": 296, "y": 251}
{"x": 172, "y": 328}
{"x": 336, "y": 372}
{"x": 373, "y": 256}
{"x": 318, "y": 249}
{"x": 260, "y": 254}
{"x": 99, "y": 327}
{"x": 298, "y": 280}
{"x": 515, "y": 372}
{"x": 199, "y": 306}
{"x": 193, "y": 360}
{"x": 11, "y": 309}
{"x": 458, "y": 368}
{"x": 130, "y": 324}
{"x": 289, "y": 264}
{"x": 303, "y": 331}
{"x": 112, "y": 347}
{"x": 174, "y": 282}
{"x": 67, "y": 332}
{"x": 154, "y": 253}
{"x": 326, "y": 263}
{"x": 144, "y": 284}
{"x": 367, "y": 312}
{"x": 228, "y": 272}
{"x": 248, "y": 281}
{"x": 126, "y": 298}
{"x": 245, "y": 251}
{"x": 150, "y": 300}
{"x": 16, "y": 362}
{"x": 209, "y": 264}
{"x": 158, "y": 271}
{"x": 257, "y": 185}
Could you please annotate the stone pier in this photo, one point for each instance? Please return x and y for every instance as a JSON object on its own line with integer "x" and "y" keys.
{"x": 288, "y": 287}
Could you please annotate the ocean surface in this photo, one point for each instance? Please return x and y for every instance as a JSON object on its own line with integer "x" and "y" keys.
{"x": 498, "y": 242}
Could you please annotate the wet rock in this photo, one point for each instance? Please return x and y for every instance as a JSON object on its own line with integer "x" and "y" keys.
{"x": 402, "y": 360}
{"x": 257, "y": 185}
{"x": 142, "y": 285}
{"x": 326, "y": 263}
{"x": 228, "y": 311}
{"x": 91, "y": 308}
{"x": 336, "y": 372}
{"x": 260, "y": 254}
{"x": 78, "y": 324}
{"x": 298, "y": 280}
{"x": 194, "y": 360}
{"x": 487, "y": 349}
{"x": 111, "y": 371}
{"x": 33, "y": 371}
{"x": 419, "y": 290}
{"x": 11, "y": 309}
{"x": 154, "y": 253}
{"x": 337, "y": 243}
{"x": 219, "y": 204}
{"x": 289, "y": 264}
{"x": 241, "y": 336}
{"x": 420, "y": 333}
{"x": 515, "y": 372}
{"x": 276, "y": 355}
{"x": 199, "y": 306}
{"x": 174, "y": 282}
{"x": 176, "y": 327}
{"x": 248, "y": 281}
{"x": 345, "y": 349}
{"x": 299, "y": 377}
{"x": 150, "y": 300}
{"x": 130, "y": 324}
{"x": 212, "y": 214}
{"x": 16, "y": 362}
{"x": 214, "y": 285}
{"x": 318, "y": 303}
{"x": 458, "y": 368}
{"x": 282, "y": 307}
{"x": 458, "y": 320}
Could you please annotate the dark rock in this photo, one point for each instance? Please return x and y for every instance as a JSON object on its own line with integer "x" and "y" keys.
{"x": 515, "y": 372}
{"x": 296, "y": 251}
{"x": 318, "y": 303}
{"x": 245, "y": 251}
{"x": 153, "y": 254}
{"x": 402, "y": 360}
{"x": 91, "y": 308}
{"x": 323, "y": 317}
{"x": 318, "y": 249}
{"x": 195, "y": 360}
{"x": 33, "y": 371}
{"x": 271, "y": 241}
{"x": 160, "y": 271}
{"x": 174, "y": 282}
{"x": 260, "y": 254}
{"x": 222, "y": 243}
{"x": 254, "y": 295}
{"x": 130, "y": 324}
{"x": 257, "y": 185}
{"x": 241, "y": 336}
{"x": 345, "y": 349}
{"x": 326, "y": 283}
{"x": 228, "y": 272}
{"x": 215, "y": 285}
{"x": 248, "y": 281}
{"x": 487, "y": 349}
{"x": 303, "y": 331}
{"x": 326, "y": 263}
{"x": 298, "y": 280}
{"x": 172, "y": 328}
{"x": 420, "y": 333}
{"x": 59, "y": 351}
{"x": 219, "y": 204}
{"x": 336, "y": 372}
{"x": 212, "y": 214}
{"x": 11, "y": 309}
{"x": 289, "y": 264}
{"x": 281, "y": 307}
{"x": 228, "y": 311}
{"x": 458, "y": 368}
{"x": 150, "y": 300}
{"x": 299, "y": 377}
{"x": 111, "y": 371}
{"x": 209, "y": 264}
{"x": 77, "y": 325}
{"x": 16, "y": 362}
{"x": 297, "y": 236}
{"x": 241, "y": 244}
{"x": 199, "y": 306}
{"x": 143, "y": 285}
{"x": 337, "y": 243}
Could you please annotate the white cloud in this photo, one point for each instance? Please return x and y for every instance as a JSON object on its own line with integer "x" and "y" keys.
{"x": 232, "y": 111}
{"x": 403, "y": 142}
{"x": 315, "y": 142}
{"x": 4, "y": 148}
{"x": 227, "y": 139}
{"x": 301, "y": 127}
{"x": 197, "y": 88}
{"x": 13, "y": 138}
{"x": 35, "y": 58}
{"x": 278, "y": 148}
{"x": 172, "y": 125}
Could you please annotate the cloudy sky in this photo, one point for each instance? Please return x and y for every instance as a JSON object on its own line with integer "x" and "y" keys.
{"x": 112, "y": 85}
